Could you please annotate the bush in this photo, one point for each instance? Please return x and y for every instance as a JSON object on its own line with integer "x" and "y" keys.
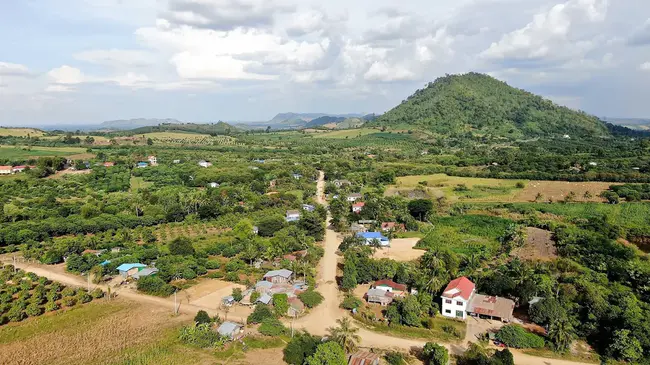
{"x": 67, "y": 292}
{"x": 51, "y": 306}
{"x": 351, "y": 302}
{"x": 16, "y": 314}
{"x": 68, "y": 301}
{"x": 255, "y": 296}
{"x": 272, "y": 327}
{"x": 97, "y": 293}
{"x": 202, "y": 317}
{"x": 237, "y": 294}
{"x": 53, "y": 295}
{"x": 215, "y": 275}
{"x": 261, "y": 312}
{"x": 310, "y": 298}
{"x": 280, "y": 304}
{"x": 83, "y": 297}
{"x": 155, "y": 286}
{"x": 519, "y": 338}
{"x": 394, "y": 358}
{"x": 300, "y": 348}
{"x": 200, "y": 335}
{"x": 33, "y": 310}
{"x": 212, "y": 264}
{"x": 435, "y": 354}
{"x": 181, "y": 246}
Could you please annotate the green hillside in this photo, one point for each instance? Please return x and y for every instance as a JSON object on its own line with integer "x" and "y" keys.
{"x": 212, "y": 129}
{"x": 477, "y": 103}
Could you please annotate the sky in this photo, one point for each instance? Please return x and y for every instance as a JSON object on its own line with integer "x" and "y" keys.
{"x": 87, "y": 61}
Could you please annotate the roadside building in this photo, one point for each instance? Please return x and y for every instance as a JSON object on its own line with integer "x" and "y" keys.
{"x": 388, "y": 285}
{"x": 205, "y": 164}
{"x": 231, "y": 330}
{"x": 354, "y": 197}
{"x": 392, "y": 226}
{"x": 292, "y": 215}
{"x": 148, "y": 271}
{"x": 6, "y": 170}
{"x": 372, "y": 237}
{"x": 363, "y": 358}
{"x": 152, "y": 160}
{"x": 459, "y": 299}
{"x": 308, "y": 207}
{"x": 279, "y": 276}
{"x": 379, "y": 296}
{"x": 127, "y": 270}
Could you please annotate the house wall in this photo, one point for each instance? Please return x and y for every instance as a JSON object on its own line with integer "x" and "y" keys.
{"x": 278, "y": 280}
{"x": 451, "y": 309}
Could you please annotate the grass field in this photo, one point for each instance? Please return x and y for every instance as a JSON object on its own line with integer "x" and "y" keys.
{"x": 347, "y": 133}
{"x": 495, "y": 190}
{"x": 176, "y": 135}
{"x": 20, "y": 132}
{"x": 23, "y": 153}
{"x": 464, "y": 234}
{"x": 138, "y": 183}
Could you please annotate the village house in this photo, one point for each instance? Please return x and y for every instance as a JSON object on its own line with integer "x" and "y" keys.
{"x": 228, "y": 301}
{"x": 213, "y": 185}
{"x": 153, "y": 160}
{"x": 371, "y": 237}
{"x": 205, "y": 164}
{"x": 292, "y": 215}
{"x": 279, "y": 276}
{"x": 231, "y": 330}
{"x": 127, "y": 270}
{"x": 109, "y": 164}
{"x": 392, "y": 226}
{"x": 308, "y": 207}
{"x": 263, "y": 286}
{"x": 297, "y": 176}
{"x": 358, "y": 207}
{"x": 460, "y": 299}
{"x": 21, "y": 168}
{"x": 176, "y": 161}
{"x": 357, "y": 228}
{"x": 379, "y": 296}
{"x": 296, "y": 307}
{"x": 148, "y": 271}
{"x": 363, "y": 358}
{"x": 354, "y": 197}
{"x": 398, "y": 290}
{"x": 6, "y": 170}
{"x": 265, "y": 299}
{"x": 142, "y": 165}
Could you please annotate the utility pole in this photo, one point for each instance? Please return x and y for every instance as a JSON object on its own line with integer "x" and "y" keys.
{"x": 88, "y": 281}
{"x": 175, "y": 306}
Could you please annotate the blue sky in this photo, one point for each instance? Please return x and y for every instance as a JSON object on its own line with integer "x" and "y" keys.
{"x": 74, "y": 61}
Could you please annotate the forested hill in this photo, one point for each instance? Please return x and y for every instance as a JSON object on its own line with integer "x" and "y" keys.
{"x": 213, "y": 128}
{"x": 478, "y": 103}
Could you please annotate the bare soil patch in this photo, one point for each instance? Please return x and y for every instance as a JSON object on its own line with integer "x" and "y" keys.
{"x": 209, "y": 293}
{"x": 60, "y": 174}
{"x": 558, "y": 190}
{"x": 539, "y": 246}
{"x": 401, "y": 249}
{"x": 266, "y": 356}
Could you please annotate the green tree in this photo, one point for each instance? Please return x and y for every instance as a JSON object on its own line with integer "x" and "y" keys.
{"x": 261, "y": 312}
{"x": 420, "y": 208}
{"x": 561, "y": 334}
{"x": 310, "y": 298}
{"x": 349, "y": 281}
{"x": 202, "y": 317}
{"x": 435, "y": 354}
{"x": 272, "y": 327}
{"x": 280, "y": 304}
{"x": 329, "y": 353}
{"x": 346, "y": 335}
{"x": 503, "y": 357}
{"x": 625, "y": 346}
{"x": 301, "y": 346}
{"x": 237, "y": 294}
{"x": 181, "y": 246}
{"x": 149, "y": 141}
{"x": 312, "y": 223}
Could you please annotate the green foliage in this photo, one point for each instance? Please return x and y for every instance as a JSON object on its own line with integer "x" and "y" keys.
{"x": 351, "y": 302}
{"x": 51, "y": 306}
{"x": 255, "y": 296}
{"x": 546, "y": 311}
{"x": 260, "y": 313}
{"x": 518, "y": 337}
{"x": 83, "y": 297}
{"x": 329, "y": 353}
{"x": 69, "y": 301}
{"x": 405, "y": 311}
{"x": 301, "y": 346}
{"x": 272, "y": 327}
{"x": 200, "y": 335}
{"x": 420, "y": 208}
{"x": 311, "y": 298}
{"x": 625, "y": 347}
{"x": 97, "y": 293}
{"x": 181, "y": 246}
{"x": 237, "y": 294}
{"x": 269, "y": 225}
{"x": 435, "y": 354}
{"x": 154, "y": 285}
{"x": 202, "y": 317}
{"x": 394, "y": 358}
{"x": 457, "y": 103}
{"x": 33, "y": 310}
{"x": 280, "y": 304}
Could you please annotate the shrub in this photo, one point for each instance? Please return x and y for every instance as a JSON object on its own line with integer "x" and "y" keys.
{"x": 237, "y": 294}
{"x": 310, "y": 298}
{"x": 200, "y": 335}
{"x": 272, "y": 327}
{"x": 16, "y": 314}
{"x": 212, "y": 264}
{"x": 394, "y": 358}
{"x": 280, "y": 304}
{"x": 33, "y": 310}
{"x": 155, "y": 286}
{"x": 261, "y": 312}
{"x": 255, "y": 296}
{"x": 97, "y": 293}
{"x": 518, "y": 337}
{"x": 67, "y": 292}
{"x": 300, "y": 347}
{"x": 51, "y": 306}
{"x": 83, "y": 297}
{"x": 53, "y": 295}
{"x": 215, "y": 275}
{"x": 181, "y": 246}
{"x": 435, "y": 354}
{"x": 351, "y": 302}
{"x": 202, "y": 317}
{"x": 68, "y": 301}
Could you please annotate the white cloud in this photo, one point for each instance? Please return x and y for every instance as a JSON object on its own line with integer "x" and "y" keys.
{"x": 66, "y": 75}
{"x": 116, "y": 57}
{"x": 13, "y": 69}
{"x": 204, "y": 65}
{"x": 645, "y": 66}
{"x": 549, "y": 35}
{"x": 381, "y": 71}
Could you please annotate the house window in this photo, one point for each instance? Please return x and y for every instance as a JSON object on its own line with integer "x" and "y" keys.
{"x": 448, "y": 311}
{"x": 458, "y": 302}
{"x": 459, "y": 314}
{"x": 448, "y": 301}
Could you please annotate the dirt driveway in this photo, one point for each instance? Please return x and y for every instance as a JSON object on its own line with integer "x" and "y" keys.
{"x": 401, "y": 249}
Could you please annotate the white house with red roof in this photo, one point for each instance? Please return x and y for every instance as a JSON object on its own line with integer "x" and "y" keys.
{"x": 358, "y": 207}
{"x": 6, "y": 170}
{"x": 153, "y": 160}
{"x": 456, "y": 298}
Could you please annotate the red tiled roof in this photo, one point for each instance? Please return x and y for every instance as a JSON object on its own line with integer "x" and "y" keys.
{"x": 390, "y": 283}
{"x": 6, "y": 167}
{"x": 358, "y": 205}
{"x": 460, "y": 287}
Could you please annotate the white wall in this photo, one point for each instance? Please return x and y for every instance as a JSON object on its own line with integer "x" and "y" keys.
{"x": 453, "y": 307}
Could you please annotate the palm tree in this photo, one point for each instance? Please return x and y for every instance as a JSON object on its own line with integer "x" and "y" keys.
{"x": 560, "y": 333}
{"x": 345, "y": 335}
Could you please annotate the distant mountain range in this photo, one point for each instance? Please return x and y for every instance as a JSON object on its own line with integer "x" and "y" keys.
{"x": 639, "y": 124}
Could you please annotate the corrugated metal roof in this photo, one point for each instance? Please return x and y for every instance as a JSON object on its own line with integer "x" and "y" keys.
{"x": 372, "y": 235}
{"x": 265, "y": 298}
{"x": 363, "y": 358}
{"x": 228, "y": 328}
{"x": 282, "y": 272}
{"x": 127, "y": 267}
{"x": 145, "y": 272}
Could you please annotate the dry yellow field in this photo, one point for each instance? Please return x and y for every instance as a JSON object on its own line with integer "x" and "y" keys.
{"x": 20, "y": 132}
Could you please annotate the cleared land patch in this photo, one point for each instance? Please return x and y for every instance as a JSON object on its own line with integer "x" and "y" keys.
{"x": 401, "y": 249}
{"x": 539, "y": 245}
{"x": 20, "y": 132}
{"x": 494, "y": 190}
{"x": 25, "y": 153}
{"x": 347, "y": 133}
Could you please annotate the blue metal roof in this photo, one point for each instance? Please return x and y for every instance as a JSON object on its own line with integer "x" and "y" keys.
{"x": 372, "y": 235}
{"x": 105, "y": 262}
{"x": 127, "y": 267}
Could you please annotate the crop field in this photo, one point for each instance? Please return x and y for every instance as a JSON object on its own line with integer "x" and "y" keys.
{"x": 24, "y": 153}
{"x": 347, "y": 133}
{"x": 190, "y": 138}
{"x": 465, "y": 234}
{"x": 20, "y": 132}
{"x": 496, "y": 190}
{"x": 106, "y": 331}
{"x": 138, "y": 183}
